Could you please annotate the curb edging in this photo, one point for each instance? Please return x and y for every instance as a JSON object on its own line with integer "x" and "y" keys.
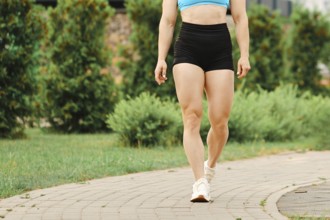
{"x": 271, "y": 201}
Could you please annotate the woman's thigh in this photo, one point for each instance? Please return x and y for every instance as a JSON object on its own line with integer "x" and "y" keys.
{"x": 219, "y": 87}
{"x": 189, "y": 83}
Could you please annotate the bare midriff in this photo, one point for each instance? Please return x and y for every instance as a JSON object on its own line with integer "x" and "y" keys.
{"x": 204, "y": 14}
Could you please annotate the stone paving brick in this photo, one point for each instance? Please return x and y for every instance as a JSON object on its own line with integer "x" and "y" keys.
{"x": 129, "y": 217}
{"x": 147, "y": 216}
{"x": 89, "y": 217}
{"x": 108, "y": 216}
{"x": 237, "y": 192}
{"x": 14, "y": 217}
{"x": 31, "y": 217}
{"x": 52, "y": 215}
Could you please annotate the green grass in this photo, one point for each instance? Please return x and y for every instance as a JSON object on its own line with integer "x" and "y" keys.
{"x": 263, "y": 203}
{"x": 44, "y": 159}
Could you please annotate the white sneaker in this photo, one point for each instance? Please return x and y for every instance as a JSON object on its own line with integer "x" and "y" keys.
{"x": 209, "y": 172}
{"x": 201, "y": 191}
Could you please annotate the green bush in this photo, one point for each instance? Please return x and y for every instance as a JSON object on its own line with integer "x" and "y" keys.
{"x": 20, "y": 31}
{"x": 318, "y": 123}
{"x": 308, "y": 36}
{"x": 80, "y": 91}
{"x": 279, "y": 115}
{"x": 254, "y": 115}
{"x": 266, "y": 49}
{"x": 205, "y": 124}
{"x": 146, "y": 121}
{"x": 141, "y": 58}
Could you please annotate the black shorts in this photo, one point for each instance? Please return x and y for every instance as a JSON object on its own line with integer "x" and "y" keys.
{"x": 207, "y": 46}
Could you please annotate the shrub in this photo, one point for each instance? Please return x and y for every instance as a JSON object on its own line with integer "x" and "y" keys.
{"x": 138, "y": 68}
{"x": 205, "y": 124}
{"x": 318, "y": 123}
{"x": 266, "y": 49}
{"x": 279, "y": 115}
{"x": 308, "y": 36}
{"x": 146, "y": 121}
{"x": 80, "y": 91}
{"x": 20, "y": 30}
{"x": 254, "y": 115}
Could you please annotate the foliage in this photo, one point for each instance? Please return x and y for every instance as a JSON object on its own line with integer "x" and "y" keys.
{"x": 80, "y": 90}
{"x": 138, "y": 68}
{"x": 20, "y": 31}
{"x": 146, "y": 121}
{"x": 266, "y": 49}
{"x": 39, "y": 61}
{"x": 325, "y": 59}
{"x": 308, "y": 36}
{"x": 205, "y": 124}
{"x": 325, "y": 55}
{"x": 319, "y": 123}
{"x": 279, "y": 115}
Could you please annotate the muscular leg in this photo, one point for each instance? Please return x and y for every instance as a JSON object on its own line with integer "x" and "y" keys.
{"x": 189, "y": 83}
{"x": 219, "y": 86}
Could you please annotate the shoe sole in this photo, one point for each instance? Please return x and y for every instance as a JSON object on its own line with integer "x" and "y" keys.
{"x": 200, "y": 198}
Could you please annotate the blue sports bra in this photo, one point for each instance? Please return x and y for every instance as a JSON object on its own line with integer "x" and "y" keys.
{"x": 184, "y": 4}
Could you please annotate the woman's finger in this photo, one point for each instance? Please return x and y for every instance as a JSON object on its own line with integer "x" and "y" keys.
{"x": 164, "y": 68}
{"x": 160, "y": 73}
{"x": 245, "y": 70}
{"x": 239, "y": 69}
{"x": 157, "y": 75}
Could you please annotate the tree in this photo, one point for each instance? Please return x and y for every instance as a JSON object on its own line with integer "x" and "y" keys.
{"x": 266, "y": 49}
{"x": 141, "y": 59}
{"x": 80, "y": 91}
{"x": 20, "y": 31}
{"x": 308, "y": 36}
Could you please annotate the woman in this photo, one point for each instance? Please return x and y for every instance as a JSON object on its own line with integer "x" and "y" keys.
{"x": 203, "y": 61}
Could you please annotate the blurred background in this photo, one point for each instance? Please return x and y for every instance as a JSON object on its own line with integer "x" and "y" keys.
{"x": 78, "y": 98}
{"x": 66, "y": 64}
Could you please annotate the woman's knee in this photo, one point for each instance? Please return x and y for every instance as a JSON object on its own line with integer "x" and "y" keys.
{"x": 219, "y": 123}
{"x": 192, "y": 120}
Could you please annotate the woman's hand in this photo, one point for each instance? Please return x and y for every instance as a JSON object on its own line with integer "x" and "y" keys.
{"x": 243, "y": 67}
{"x": 160, "y": 72}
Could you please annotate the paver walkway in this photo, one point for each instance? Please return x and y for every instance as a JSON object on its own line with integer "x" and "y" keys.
{"x": 246, "y": 189}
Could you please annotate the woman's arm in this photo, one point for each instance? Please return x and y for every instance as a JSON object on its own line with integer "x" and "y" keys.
{"x": 166, "y": 30}
{"x": 238, "y": 12}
